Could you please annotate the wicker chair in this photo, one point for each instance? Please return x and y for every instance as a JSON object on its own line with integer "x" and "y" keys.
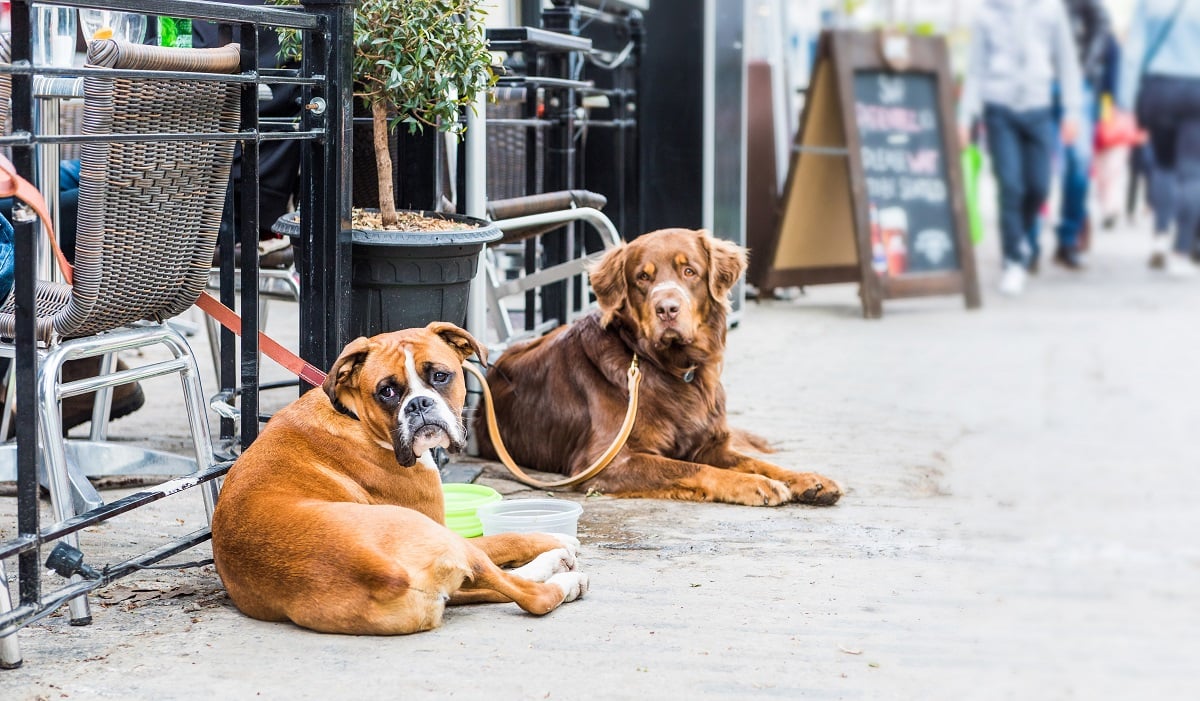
{"x": 148, "y": 218}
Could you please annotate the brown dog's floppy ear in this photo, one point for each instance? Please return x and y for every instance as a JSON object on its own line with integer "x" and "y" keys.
{"x": 346, "y": 366}
{"x": 726, "y": 263}
{"x": 459, "y": 340}
{"x": 607, "y": 278}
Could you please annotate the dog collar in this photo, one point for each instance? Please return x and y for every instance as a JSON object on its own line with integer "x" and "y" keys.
{"x": 341, "y": 409}
{"x": 688, "y": 375}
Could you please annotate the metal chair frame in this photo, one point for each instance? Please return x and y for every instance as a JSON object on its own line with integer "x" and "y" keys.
{"x": 124, "y": 290}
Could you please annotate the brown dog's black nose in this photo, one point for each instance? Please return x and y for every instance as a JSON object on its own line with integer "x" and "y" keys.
{"x": 667, "y": 309}
{"x": 418, "y": 405}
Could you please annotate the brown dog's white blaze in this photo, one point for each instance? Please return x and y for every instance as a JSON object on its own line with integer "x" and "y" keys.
{"x": 666, "y": 293}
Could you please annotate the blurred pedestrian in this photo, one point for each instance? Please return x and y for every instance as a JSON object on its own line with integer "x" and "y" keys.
{"x": 1091, "y": 28}
{"x": 1018, "y": 50}
{"x": 1160, "y": 78}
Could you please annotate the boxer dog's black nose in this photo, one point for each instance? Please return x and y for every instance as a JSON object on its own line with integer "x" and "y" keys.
{"x": 418, "y": 405}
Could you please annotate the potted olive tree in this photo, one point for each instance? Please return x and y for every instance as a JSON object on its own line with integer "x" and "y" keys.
{"x": 417, "y": 64}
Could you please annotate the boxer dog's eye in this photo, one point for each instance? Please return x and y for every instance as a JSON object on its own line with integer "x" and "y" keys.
{"x": 387, "y": 393}
{"x": 441, "y": 378}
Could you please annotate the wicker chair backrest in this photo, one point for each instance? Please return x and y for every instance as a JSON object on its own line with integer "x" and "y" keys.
{"x": 149, "y": 211}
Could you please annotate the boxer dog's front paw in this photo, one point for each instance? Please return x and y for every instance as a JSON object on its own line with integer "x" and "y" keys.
{"x": 573, "y": 584}
{"x": 547, "y": 565}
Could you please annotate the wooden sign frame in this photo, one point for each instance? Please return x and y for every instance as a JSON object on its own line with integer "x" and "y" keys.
{"x": 824, "y": 231}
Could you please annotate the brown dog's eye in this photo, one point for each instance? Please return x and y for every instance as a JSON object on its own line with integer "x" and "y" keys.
{"x": 387, "y": 392}
{"x": 689, "y": 272}
{"x": 643, "y": 276}
{"x": 441, "y": 378}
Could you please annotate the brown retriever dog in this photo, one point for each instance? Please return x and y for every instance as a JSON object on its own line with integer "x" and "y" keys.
{"x": 333, "y": 518}
{"x": 560, "y": 399}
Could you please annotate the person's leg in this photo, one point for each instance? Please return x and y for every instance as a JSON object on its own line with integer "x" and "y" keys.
{"x": 1158, "y": 114}
{"x": 1077, "y": 163}
{"x": 1187, "y": 169}
{"x": 1038, "y": 140}
{"x": 68, "y": 206}
{"x": 1005, "y": 154}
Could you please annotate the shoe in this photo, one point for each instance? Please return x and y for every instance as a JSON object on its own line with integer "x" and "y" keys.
{"x": 1160, "y": 247}
{"x": 1068, "y": 258}
{"x": 77, "y": 410}
{"x": 1032, "y": 266}
{"x": 1180, "y": 265}
{"x": 1012, "y": 282}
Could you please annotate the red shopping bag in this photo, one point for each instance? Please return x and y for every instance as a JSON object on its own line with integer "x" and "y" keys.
{"x": 1118, "y": 128}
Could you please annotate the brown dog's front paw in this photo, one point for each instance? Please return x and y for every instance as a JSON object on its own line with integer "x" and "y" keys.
{"x": 812, "y": 488}
{"x": 762, "y": 491}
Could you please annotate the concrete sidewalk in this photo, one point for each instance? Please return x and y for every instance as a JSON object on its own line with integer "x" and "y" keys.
{"x": 1019, "y": 523}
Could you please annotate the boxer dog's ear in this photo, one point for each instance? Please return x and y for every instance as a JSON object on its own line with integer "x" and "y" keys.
{"x": 345, "y": 369}
{"x": 459, "y": 340}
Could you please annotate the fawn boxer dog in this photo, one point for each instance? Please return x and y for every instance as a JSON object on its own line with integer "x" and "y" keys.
{"x": 333, "y": 518}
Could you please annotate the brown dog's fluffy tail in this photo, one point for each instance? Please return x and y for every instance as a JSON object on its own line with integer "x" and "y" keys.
{"x": 744, "y": 440}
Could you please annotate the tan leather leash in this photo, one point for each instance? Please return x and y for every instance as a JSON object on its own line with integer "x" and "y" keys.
{"x": 635, "y": 379}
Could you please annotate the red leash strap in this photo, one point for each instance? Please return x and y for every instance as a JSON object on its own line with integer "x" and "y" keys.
{"x": 13, "y": 185}
{"x": 289, "y": 360}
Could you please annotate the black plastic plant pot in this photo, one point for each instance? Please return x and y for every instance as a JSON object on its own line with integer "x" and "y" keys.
{"x": 407, "y": 279}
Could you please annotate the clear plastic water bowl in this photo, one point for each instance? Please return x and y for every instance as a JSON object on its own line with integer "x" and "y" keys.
{"x": 530, "y": 516}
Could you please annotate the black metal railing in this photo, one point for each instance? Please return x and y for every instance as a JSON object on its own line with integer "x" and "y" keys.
{"x": 322, "y": 128}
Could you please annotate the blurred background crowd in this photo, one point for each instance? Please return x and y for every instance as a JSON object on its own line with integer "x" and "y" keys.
{"x": 1084, "y": 112}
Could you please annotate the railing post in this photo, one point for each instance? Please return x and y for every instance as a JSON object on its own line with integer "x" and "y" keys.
{"x": 29, "y": 565}
{"x": 325, "y": 187}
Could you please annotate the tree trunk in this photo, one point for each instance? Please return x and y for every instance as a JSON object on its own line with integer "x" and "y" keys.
{"x": 383, "y": 164}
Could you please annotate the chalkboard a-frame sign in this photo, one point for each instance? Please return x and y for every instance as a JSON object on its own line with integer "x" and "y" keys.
{"x": 874, "y": 190}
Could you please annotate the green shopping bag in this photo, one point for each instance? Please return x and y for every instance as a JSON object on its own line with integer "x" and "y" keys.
{"x": 972, "y": 167}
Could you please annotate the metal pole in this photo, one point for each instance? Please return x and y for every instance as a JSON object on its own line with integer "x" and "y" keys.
{"x": 325, "y": 187}
{"x": 475, "y": 198}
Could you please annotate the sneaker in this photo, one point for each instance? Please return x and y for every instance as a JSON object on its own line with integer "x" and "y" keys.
{"x": 1012, "y": 282}
{"x": 1180, "y": 265}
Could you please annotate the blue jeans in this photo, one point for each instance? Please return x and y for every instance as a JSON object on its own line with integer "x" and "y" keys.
{"x": 1169, "y": 108}
{"x": 1022, "y": 146}
{"x": 7, "y": 262}
{"x": 1077, "y": 166}
{"x": 68, "y": 206}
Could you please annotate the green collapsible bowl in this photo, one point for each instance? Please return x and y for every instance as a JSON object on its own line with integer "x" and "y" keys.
{"x": 461, "y": 502}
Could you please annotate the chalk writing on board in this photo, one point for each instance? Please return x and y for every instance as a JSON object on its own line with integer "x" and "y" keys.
{"x": 904, "y": 168}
